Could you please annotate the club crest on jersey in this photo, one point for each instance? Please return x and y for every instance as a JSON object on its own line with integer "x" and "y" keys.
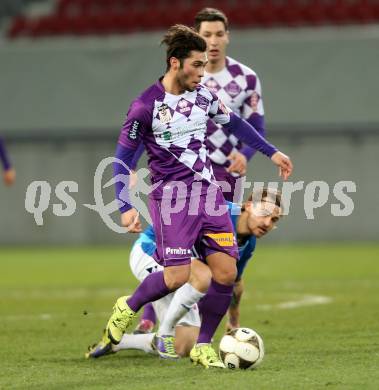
{"x": 212, "y": 85}
{"x": 233, "y": 89}
{"x": 254, "y": 100}
{"x": 183, "y": 106}
{"x": 202, "y": 102}
{"x": 164, "y": 113}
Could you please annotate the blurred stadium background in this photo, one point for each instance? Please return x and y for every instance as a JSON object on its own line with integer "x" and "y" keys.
{"x": 69, "y": 69}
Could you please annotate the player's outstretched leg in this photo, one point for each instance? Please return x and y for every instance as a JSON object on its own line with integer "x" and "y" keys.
{"x": 165, "y": 346}
{"x": 102, "y": 348}
{"x": 144, "y": 342}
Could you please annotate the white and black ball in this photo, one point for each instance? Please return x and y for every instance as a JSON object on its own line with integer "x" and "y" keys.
{"x": 241, "y": 348}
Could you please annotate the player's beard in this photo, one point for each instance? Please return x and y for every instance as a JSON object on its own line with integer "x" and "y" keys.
{"x": 182, "y": 80}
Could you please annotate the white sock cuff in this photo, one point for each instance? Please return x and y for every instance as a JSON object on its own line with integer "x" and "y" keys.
{"x": 190, "y": 293}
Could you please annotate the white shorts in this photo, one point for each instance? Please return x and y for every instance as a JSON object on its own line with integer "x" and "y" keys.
{"x": 143, "y": 265}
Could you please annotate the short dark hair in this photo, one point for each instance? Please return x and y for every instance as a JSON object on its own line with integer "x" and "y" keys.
{"x": 180, "y": 41}
{"x": 266, "y": 194}
{"x": 210, "y": 15}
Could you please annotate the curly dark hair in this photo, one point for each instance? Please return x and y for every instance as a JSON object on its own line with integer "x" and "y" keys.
{"x": 180, "y": 41}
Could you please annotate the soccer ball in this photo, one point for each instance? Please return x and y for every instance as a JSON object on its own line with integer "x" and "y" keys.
{"x": 241, "y": 348}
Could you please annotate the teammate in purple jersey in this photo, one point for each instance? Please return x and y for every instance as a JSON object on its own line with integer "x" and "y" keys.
{"x": 9, "y": 175}
{"x": 170, "y": 118}
{"x": 240, "y": 89}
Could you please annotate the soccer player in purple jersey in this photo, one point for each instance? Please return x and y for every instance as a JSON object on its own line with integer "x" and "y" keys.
{"x": 9, "y": 175}
{"x": 170, "y": 118}
{"x": 178, "y": 312}
{"x": 240, "y": 89}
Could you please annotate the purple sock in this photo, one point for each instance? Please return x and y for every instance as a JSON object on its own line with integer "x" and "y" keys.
{"x": 213, "y": 307}
{"x": 149, "y": 313}
{"x": 152, "y": 288}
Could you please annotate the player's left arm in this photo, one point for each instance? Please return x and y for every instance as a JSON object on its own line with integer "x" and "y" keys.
{"x": 248, "y": 134}
{"x": 253, "y": 111}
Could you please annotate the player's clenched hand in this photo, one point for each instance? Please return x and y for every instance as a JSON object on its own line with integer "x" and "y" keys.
{"x": 238, "y": 163}
{"x": 9, "y": 176}
{"x": 133, "y": 179}
{"x": 130, "y": 220}
{"x": 284, "y": 163}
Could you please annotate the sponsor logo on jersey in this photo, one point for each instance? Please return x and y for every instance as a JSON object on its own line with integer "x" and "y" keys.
{"x": 254, "y": 100}
{"x": 164, "y": 113}
{"x": 175, "y": 133}
{"x": 178, "y": 251}
{"x": 222, "y": 239}
{"x": 133, "y": 131}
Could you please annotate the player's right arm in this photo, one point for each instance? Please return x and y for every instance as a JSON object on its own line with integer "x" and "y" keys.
{"x": 9, "y": 174}
{"x": 128, "y": 151}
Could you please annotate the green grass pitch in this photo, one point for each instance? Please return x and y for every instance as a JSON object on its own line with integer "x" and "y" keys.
{"x": 316, "y": 307}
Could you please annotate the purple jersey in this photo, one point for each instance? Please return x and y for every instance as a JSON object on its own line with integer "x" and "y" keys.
{"x": 173, "y": 130}
{"x": 239, "y": 88}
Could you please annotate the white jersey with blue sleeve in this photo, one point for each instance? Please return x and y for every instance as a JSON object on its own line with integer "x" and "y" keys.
{"x": 247, "y": 248}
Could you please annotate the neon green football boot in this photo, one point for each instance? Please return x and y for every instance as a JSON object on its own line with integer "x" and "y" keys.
{"x": 205, "y": 355}
{"x": 165, "y": 346}
{"x": 120, "y": 320}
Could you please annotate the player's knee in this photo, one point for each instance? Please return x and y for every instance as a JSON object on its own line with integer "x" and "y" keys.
{"x": 176, "y": 283}
{"x": 200, "y": 276}
{"x": 176, "y": 276}
{"x": 226, "y": 275}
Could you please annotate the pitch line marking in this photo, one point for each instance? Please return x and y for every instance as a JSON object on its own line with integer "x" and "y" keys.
{"x": 306, "y": 300}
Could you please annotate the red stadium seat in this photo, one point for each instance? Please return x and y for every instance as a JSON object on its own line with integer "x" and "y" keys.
{"x": 290, "y": 13}
{"x": 338, "y": 12}
{"x": 81, "y": 17}
{"x": 314, "y": 12}
{"x": 364, "y": 11}
{"x": 19, "y": 27}
{"x": 265, "y": 13}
